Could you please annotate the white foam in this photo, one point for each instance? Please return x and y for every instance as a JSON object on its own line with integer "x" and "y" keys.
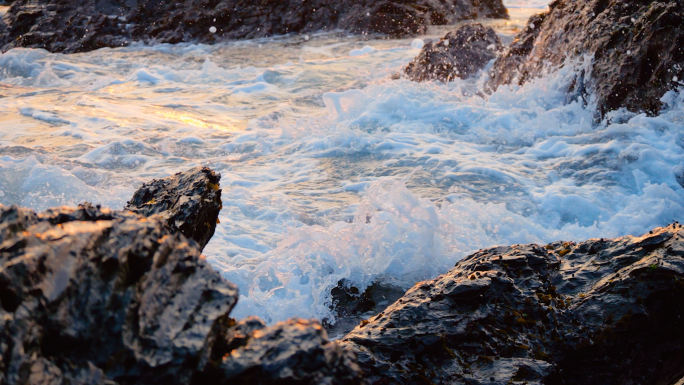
{"x": 330, "y": 169}
{"x": 417, "y": 44}
{"x": 362, "y": 51}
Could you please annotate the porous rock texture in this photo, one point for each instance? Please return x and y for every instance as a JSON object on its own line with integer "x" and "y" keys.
{"x": 637, "y": 49}
{"x": 462, "y": 53}
{"x": 189, "y": 202}
{"x": 77, "y": 26}
{"x": 598, "y": 312}
{"x": 93, "y": 296}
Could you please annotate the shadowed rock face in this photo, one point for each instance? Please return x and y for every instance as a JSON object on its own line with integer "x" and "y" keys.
{"x": 189, "y": 202}
{"x": 598, "y": 312}
{"x": 509, "y": 68}
{"x": 95, "y": 294}
{"x": 637, "y": 49}
{"x": 461, "y": 54}
{"x": 66, "y": 26}
{"x": 306, "y": 358}
{"x": 92, "y": 296}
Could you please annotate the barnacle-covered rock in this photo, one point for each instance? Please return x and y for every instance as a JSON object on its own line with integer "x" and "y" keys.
{"x": 597, "y": 312}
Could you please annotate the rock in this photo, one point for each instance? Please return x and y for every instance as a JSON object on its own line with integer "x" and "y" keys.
{"x": 637, "y": 50}
{"x": 351, "y": 305}
{"x": 597, "y": 312}
{"x": 60, "y": 26}
{"x": 189, "y": 202}
{"x": 461, "y": 54}
{"x": 92, "y": 293}
{"x": 510, "y": 67}
{"x": 93, "y": 296}
{"x": 307, "y": 358}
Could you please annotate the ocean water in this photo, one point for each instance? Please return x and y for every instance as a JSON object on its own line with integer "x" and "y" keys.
{"x": 330, "y": 169}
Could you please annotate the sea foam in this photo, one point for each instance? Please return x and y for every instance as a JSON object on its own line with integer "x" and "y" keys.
{"x": 330, "y": 169}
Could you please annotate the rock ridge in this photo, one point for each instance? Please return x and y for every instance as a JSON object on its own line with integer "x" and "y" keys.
{"x": 68, "y": 27}
{"x": 604, "y": 311}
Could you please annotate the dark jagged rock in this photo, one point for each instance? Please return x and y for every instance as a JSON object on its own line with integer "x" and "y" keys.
{"x": 189, "y": 202}
{"x": 90, "y": 293}
{"x": 510, "y": 67}
{"x": 462, "y": 54}
{"x": 92, "y": 296}
{"x": 597, "y": 312}
{"x": 61, "y": 26}
{"x": 307, "y": 358}
{"x": 637, "y": 50}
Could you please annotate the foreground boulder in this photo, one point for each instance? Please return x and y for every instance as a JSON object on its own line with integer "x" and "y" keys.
{"x": 77, "y": 26}
{"x": 93, "y": 296}
{"x": 189, "y": 202}
{"x": 598, "y": 312}
{"x": 637, "y": 50}
{"x": 461, "y": 54}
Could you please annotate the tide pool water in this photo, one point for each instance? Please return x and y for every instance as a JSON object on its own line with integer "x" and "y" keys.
{"x": 330, "y": 169}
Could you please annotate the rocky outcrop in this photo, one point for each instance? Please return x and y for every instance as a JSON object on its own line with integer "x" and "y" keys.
{"x": 637, "y": 50}
{"x": 60, "y": 26}
{"x": 90, "y": 295}
{"x": 93, "y": 296}
{"x": 188, "y": 202}
{"x": 462, "y": 53}
{"x": 597, "y": 312}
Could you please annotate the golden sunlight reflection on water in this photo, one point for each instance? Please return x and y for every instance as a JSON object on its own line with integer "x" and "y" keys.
{"x": 186, "y": 118}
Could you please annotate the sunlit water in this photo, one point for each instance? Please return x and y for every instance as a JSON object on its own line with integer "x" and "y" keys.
{"x": 330, "y": 168}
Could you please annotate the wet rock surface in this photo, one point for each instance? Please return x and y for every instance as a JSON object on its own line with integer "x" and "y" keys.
{"x": 462, "y": 53}
{"x": 509, "y": 68}
{"x": 597, "y": 312}
{"x": 352, "y": 305}
{"x": 189, "y": 202}
{"x": 60, "y": 26}
{"x": 637, "y": 50}
{"x": 93, "y": 296}
{"x": 306, "y": 358}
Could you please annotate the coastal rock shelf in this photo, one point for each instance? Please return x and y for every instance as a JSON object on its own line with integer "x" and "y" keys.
{"x": 95, "y": 296}
{"x": 597, "y": 312}
{"x": 60, "y": 26}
